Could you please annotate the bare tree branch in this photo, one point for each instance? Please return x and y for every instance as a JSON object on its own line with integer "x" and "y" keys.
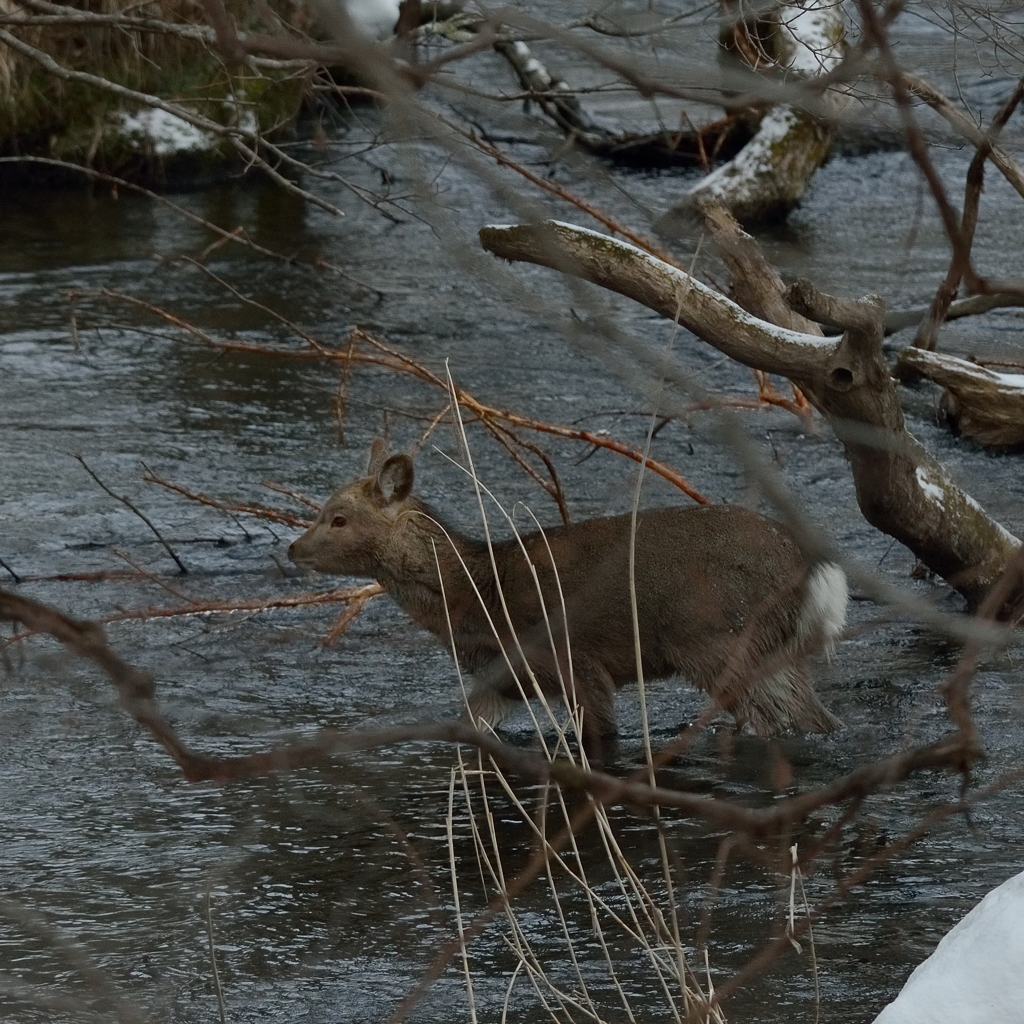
{"x": 901, "y": 489}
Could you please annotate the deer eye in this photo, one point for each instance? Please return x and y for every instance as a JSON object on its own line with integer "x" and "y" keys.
{"x": 339, "y": 521}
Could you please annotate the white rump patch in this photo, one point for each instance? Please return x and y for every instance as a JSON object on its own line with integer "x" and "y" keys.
{"x": 824, "y": 610}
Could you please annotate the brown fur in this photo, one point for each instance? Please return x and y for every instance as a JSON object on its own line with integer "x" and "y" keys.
{"x": 722, "y": 597}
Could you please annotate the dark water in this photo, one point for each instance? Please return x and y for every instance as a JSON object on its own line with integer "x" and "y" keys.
{"x": 330, "y": 888}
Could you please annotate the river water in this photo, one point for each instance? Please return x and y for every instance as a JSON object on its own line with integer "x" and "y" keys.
{"x": 329, "y": 889}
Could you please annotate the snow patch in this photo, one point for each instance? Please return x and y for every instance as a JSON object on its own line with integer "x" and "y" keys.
{"x": 934, "y": 491}
{"x": 1002, "y": 529}
{"x": 965, "y": 370}
{"x": 534, "y": 67}
{"x": 1014, "y": 381}
{"x": 813, "y": 33}
{"x": 974, "y": 976}
{"x": 375, "y": 19}
{"x": 754, "y": 160}
{"x": 1012, "y": 538}
{"x": 163, "y": 132}
{"x": 937, "y": 494}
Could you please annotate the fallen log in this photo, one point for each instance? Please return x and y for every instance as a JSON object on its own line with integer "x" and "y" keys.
{"x": 770, "y": 174}
{"x": 694, "y": 147}
{"x": 979, "y": 403}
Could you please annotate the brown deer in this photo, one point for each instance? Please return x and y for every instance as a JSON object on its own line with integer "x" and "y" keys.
{"x": 723, "y": 596}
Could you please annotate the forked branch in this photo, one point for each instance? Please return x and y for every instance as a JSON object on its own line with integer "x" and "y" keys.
{"x": 901, "y": 489}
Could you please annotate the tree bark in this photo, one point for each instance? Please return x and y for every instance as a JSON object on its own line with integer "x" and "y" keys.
{"x": 901, "y": 489}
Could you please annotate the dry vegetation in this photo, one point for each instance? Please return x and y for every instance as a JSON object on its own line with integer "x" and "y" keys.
{"x": 81, "y": 82}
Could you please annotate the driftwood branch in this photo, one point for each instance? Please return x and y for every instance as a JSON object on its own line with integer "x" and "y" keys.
{"x": 973, "y": 305}
{"x": 901, "y": 489}
{"x": 770, "y": 174}
{"x": 979, "y": 403}
{"x": 668, "y": 290}
{"x": 697, "y": 146}
{"x": 756, "y": 284}
{"x": 830, "y": 310}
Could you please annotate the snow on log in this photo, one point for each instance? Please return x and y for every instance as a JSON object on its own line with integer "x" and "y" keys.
{"x": 979, "y": 403}
{"x": 901, "y": 489}
{"x": 553, "y": 96}
{"x": 770, "y": 174}
{"x": 637, "y": 274}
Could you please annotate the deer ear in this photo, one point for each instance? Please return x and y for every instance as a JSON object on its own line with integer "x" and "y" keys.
{"x": 393, "y": 482}
{"x": 378, "y": 456}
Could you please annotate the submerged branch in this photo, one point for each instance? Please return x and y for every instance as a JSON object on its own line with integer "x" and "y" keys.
{"x": 354, "y": 597}
{"x": 132, "y": 507}
{"x": 972, "y": 305}
{"x": 137, "y": 692}
{"x": 979, "y": 403}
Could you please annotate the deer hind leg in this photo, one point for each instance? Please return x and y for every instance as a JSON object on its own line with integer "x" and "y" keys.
{"x": 783, "y": 699}
{"x": 485, "y": 706}
{"x": 593, "y": 693}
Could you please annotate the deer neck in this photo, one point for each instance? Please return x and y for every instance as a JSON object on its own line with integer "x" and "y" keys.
{"x": 429, "y": 569}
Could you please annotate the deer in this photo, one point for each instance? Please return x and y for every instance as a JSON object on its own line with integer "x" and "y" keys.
{"x": 724, "y": 597}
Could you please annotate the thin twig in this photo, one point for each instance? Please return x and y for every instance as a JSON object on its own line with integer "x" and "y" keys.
{"x": 356, "y": 603}
{"x": 153, "y": 578}
{"x": 302, "y": 499}
{"x": 213, "y": 959}
{"x": 128, "y": 504}
{"x": 928, "y": 330}
{"x": 272, "y": 515}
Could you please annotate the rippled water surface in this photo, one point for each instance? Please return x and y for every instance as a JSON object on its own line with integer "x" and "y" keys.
{"x": 330, "y": 891}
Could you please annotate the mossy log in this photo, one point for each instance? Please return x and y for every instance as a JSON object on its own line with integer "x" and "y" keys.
{"x": 143, "y": 96}
{"x": 901, "y": 489}
{"x": 979, "y": 403}
{"x": 770, "y": 174}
